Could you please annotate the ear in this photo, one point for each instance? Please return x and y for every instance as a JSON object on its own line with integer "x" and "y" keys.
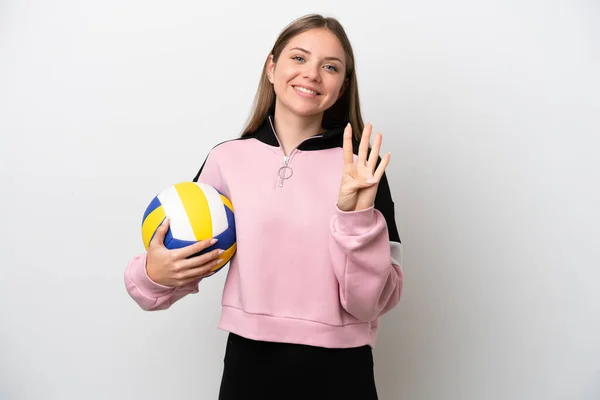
{"x": 270, "y": 68}
{"x": 343, "y": 88}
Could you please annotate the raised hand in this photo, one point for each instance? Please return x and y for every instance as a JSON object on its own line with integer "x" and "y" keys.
{"x": 176, "y": 268}
{"x": 360, "y": 179}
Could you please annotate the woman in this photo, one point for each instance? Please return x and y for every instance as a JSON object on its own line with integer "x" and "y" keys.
{"x": 318, "y": 254}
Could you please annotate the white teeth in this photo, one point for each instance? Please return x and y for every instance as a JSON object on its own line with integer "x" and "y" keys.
{"x": 305, "y": 90}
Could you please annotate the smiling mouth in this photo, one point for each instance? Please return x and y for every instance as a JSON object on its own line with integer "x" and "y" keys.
{"x": 305, "y": 90}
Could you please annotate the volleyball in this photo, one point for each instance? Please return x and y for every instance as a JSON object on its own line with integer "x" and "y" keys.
{"x": 196, "y": 212}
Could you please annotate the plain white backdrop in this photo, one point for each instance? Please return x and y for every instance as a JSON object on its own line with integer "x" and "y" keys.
{"x": 490, "y": 110}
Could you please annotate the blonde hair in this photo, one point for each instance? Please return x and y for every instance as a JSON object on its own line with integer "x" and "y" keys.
{"x": 346, "y": 108}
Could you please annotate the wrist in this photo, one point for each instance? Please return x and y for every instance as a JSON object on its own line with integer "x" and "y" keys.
{"x": 346, "y": 205}
{"x": 345, "y": 208}
{"x": 363, "y": 206}
{"x": 138, "y": 277}
{"x": 358, "y": 206}
{"x": 152, "y": 277}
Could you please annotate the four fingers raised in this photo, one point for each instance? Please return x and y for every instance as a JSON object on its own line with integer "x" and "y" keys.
{"x": 365, "y": 157}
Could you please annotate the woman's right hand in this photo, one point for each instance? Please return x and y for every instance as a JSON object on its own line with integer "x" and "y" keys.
{"x": 172, "y": 268}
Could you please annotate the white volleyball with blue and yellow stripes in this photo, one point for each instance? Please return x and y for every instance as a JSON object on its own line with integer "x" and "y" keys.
{"x": 196, "y": 212}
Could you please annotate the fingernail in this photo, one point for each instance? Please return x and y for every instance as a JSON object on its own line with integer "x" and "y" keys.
{"x": 213, "y": 241}
{"x": 220, "y": 252}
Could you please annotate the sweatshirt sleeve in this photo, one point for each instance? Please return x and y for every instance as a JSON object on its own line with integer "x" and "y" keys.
{"x": 366, "y": 254}
{"x": 149, "y": 295}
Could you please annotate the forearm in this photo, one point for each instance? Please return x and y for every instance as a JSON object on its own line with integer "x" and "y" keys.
{"x": 366, "y": 263}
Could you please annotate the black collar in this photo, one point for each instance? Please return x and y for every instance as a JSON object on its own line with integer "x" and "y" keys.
{"x": 329, "y": 139}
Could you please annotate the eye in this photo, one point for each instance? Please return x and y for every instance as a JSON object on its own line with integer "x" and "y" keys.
{"x": 332, "y": 68}
{"x": 298, "y": 58}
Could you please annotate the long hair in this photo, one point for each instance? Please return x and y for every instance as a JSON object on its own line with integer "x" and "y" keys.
{"x": 346, "y": 108}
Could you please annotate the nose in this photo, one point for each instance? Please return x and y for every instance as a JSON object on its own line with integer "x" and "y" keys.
{"x": 312, "y": 72}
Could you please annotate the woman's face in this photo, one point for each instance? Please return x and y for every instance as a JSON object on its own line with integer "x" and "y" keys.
{"x": 310, "y": 72}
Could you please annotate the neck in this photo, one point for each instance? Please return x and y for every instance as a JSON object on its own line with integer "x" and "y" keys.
{"x": 292, "y": 129}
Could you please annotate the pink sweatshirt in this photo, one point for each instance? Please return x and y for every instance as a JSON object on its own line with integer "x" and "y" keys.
{"x": 304, "y": 271}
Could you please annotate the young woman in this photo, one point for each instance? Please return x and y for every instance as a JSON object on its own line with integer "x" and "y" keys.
{"x": 318, "y": 258}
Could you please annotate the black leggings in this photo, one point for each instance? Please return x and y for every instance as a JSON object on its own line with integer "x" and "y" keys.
{"x": 265, "y": 371}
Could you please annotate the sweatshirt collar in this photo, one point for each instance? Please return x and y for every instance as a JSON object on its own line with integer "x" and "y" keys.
{"x": 328, "y": 139}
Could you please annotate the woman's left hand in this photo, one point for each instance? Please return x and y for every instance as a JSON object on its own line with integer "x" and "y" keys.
{"x": 360, "y": 179}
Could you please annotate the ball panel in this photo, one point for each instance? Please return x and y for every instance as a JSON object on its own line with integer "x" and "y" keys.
{"x": 154, "y": 204}
{"x": 215, "y": 207}
{"x": 179, "y": 222}
{"x": 230, "y": 219}
{"x": 150, "y": 223}
{"x": 197, "y": 208}
{"x": 225, "y": 239}
{"x": 226, "y": 201}
{"x": 172, "y": 243}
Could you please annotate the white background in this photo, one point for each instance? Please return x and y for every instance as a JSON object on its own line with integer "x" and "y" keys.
{"x": 491, "y": 113}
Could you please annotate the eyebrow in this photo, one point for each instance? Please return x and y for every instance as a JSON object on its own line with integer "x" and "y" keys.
{"x": 308, "y": 52}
